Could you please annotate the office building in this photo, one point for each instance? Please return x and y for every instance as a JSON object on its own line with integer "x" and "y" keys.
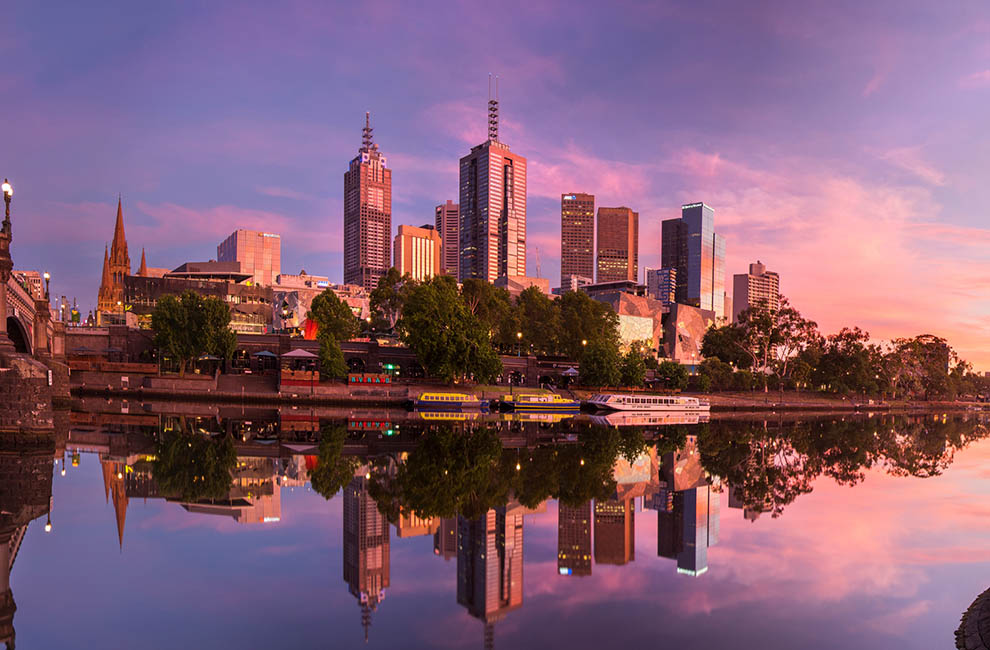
{"x": 260, "y": 254}
{"x": 577, "y": 238}
{"x": 661, "y": 284}
{"x": 618, "y": 245}
{"x": 367, "y": 214}
{"x": 688, "y": 527}
{"x": 445, "y": 539}
{"x": 691, "y": 246}
{"x": 490, "y": 566}
{"x": 418, "y": 252}
{"x": 492, "y": 206}
{"x": 574, "y": 540}
{"x": 615, "y": 531}
{"x": 448, "y": 224}
{"x": 366, "y": 548}
{"x": 758, "y": 287}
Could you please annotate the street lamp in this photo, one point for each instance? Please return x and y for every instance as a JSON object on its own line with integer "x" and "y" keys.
{"x": 584, "y": 342}
{"x": 8, "y": 192}
{"x": 48, "y": 277}
{"x": 519, "y": 344}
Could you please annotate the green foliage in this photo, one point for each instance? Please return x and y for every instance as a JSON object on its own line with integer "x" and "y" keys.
{"x": 449, "y": 341}
{"x": 387, "y": 298}
{"x": 673, "y": 375}
{"x": 192, "y": 467}
{"x": 633, "y": 368}
{"x": 584, "y": 319}
{"x": 333, "y": 470}
{"x": 493, "y": 307}
{"x": 540, "y": 321}
{"x": 716, "y": 374}
{"x": 725, "y": 344}
{"x": 335, "y": 322}
{"x": 600, "y": 364}
{"x": 189, "y": 326}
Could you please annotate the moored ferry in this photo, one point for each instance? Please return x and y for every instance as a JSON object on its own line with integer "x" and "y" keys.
{"x": 449, "y": 401}
{"x": 614, "y": 402}
{"x": 539, "y": 402}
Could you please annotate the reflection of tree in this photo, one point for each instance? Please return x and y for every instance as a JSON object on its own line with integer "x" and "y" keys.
{"x": 333, "y": 471}
{"x": 191, "y": 467}
{"x": 768, "y": 469}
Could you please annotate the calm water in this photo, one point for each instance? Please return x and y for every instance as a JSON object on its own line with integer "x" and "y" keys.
{"x": 818, "y": 533}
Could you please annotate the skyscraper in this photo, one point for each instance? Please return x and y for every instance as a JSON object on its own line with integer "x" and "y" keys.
{"x": 490, "y": 566}
{"x": 692, "y": 247}
{"x": 367, "y": 215}
{"x": 688, "y": 527}
{"x": 260, "y": 254}
{"x": 758, "y": 287}
{"x": 574, "y": 539}
{"x": 448, "y": 225}
{"x": 492, "y": 208}
{"x": 116, "y": 265}
{"x": 662, "y": 284}
{"x": 366, "y": 548}
{"x": 618, "y": 245}
{"x": 615, "y": 531}
{"x": 418, "y": 252}
{"x": 577, "y": 238}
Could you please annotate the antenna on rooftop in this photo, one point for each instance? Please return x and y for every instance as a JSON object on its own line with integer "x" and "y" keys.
{"x": 492, "y": 109}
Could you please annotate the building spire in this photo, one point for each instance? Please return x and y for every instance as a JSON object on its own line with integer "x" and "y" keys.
{"x": 105, "y": 283}
{"x": 118, "y": 249}
{"x": 492, "y": 109}
{"x": 143, "y": 270}
{"x": 366, "y": 137}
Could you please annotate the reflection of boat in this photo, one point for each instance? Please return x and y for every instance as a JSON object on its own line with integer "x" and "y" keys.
{"x": 539, "y": 402}
{"x": 548, "y": 417}
{"x": 639, "y": 419}
{"x": 448, "y": 416}
{"x": 449, "y": 401}
{"x": 613, "y": 402}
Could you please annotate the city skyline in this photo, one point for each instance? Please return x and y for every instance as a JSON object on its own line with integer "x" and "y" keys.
{"x": 188, "y": 180}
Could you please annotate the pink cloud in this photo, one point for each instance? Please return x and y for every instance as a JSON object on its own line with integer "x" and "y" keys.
{"x": 910, "y": 159}
{"x": 979, "y": 79}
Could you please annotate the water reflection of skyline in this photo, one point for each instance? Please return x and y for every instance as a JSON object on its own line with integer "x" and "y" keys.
{"x": 488, "y": 549}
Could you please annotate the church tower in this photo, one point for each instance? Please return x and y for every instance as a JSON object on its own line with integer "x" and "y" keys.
{"x": 116, "y": 264}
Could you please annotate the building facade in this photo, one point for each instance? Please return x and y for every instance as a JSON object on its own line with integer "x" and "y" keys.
{"x": 661, "y": 284}
{"x": 260, "y": 254}
{"x": 574, "y": 540}
{"x": 577, "y": 237}
{"x": 618, "y": 245}
{"x": 448, "y": 224}
{"x": 492, "y": 206}
{"x": 116, "y": 266}
{"x": 758, "y": 287}
{"x": 418, "y": 252}
{"x": 366, "y": 548}
{"x": 692, "y": 247}
{"x": 367, "y": 215}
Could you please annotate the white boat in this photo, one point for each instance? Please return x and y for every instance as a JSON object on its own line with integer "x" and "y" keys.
{"x": 614, "y": 402}
{"x": 649, "y": 418}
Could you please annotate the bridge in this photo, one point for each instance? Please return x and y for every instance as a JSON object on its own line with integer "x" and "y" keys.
{"x": 24, "y": 315}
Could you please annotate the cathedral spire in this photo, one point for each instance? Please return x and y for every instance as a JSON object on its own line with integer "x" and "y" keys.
{"x": 106, "y": 281}
{"x": 119, "y": 258}
{"x": 143, "y": 270}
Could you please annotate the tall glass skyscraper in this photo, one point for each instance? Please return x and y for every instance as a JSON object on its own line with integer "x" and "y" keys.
{"x": 692, "y": 247}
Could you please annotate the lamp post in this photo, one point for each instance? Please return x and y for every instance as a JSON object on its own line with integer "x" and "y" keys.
{"x": 518, "y": 344}
{"x": 6, "y": 265}
{"x": 48, "y": 278}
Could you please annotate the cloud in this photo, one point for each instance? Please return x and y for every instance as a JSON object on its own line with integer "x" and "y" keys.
{"x": 910, "y": 159}
{"x": 979, "y": 79}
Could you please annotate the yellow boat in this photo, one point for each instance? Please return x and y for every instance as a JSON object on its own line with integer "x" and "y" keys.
{"x": 449, "y": 401}
{"x": 539, "y": 402}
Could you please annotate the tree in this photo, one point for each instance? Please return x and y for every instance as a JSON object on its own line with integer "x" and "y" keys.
{"x": 449, "y": 341}
{"x": 633, "y": 368}
{"x": 718, "y": 374}
{"x": 772, "y": 337}
{"x": 585, "y": 321}
{"x": 192, "y": 467}
{"x": 540, "y": 320}
{"x": 725, "y": 344}
{"x": 387, "y": 298}
{"x": 335, "y": 322}
{"x": 600, "y": 364}
{"x": 333, "y": 470}
{"x": 492, "y": 306}
{"x": 673, "y": 375}
{"x": 189, "y": 326}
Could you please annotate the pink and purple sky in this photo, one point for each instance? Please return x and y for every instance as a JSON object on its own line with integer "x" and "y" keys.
{"x": 844, "y": 144}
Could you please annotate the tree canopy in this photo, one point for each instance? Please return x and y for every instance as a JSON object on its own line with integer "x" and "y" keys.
{"x": 335, "y": 322}
{"x": 189, "y": 326}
